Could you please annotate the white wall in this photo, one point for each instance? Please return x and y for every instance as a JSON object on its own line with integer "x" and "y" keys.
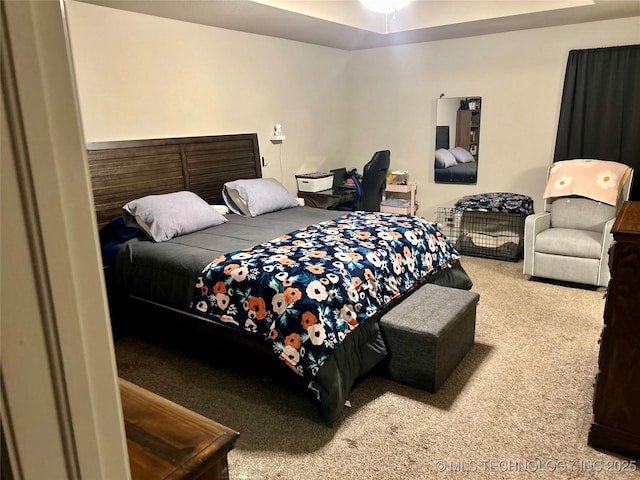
{"x": 519, "y": 76}
{"x": 146, "y": 77}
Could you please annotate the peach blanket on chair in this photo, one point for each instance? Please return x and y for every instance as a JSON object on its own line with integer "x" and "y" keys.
{"x": 599, "y": 180}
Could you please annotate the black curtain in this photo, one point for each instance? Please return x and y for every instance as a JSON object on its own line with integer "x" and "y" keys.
{"x": 600, "y": 110}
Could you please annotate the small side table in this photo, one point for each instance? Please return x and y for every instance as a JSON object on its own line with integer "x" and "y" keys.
{"x": 409, "y": 188}
{"x": 168, "y": 441}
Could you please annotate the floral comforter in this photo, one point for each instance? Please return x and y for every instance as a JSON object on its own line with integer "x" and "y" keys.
{"x": 306, "y": 290}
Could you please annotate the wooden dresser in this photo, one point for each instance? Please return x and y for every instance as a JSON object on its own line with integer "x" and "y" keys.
{"x": 616, "y": 402}
{"x": 167, "y": 441}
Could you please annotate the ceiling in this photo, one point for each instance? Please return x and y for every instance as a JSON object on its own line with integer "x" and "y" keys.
{"x": 348, "y": 25}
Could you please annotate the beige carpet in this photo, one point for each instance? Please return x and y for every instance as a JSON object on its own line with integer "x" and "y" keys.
{"x": 518, "y": 406}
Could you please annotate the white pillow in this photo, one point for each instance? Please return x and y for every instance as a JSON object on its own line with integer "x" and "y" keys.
{"x": 221, "y": 209}
{"x": 461, "y": 155}
{"x": 444, "y": 158}
{"x": 163, "y": 217}
{"x": 255, "y": 196}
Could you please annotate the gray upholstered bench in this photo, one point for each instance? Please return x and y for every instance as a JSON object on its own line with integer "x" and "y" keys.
{"x": 427, "y": 335}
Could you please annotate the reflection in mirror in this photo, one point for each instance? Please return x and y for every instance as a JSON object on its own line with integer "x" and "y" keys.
{"x": 457, "y": 140}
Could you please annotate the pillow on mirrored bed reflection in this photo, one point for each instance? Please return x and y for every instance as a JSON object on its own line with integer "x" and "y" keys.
{"x": 163, "y": 217}
{"x": 255, "y": 196}
{"x": 461, "y": 155}
{"x": 445, "y": 159}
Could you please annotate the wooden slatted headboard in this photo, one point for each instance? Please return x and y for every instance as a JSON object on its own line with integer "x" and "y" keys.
{"x": 125, "y": 170}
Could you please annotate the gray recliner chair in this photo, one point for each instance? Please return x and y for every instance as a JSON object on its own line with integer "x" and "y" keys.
{"x": 570, "y": 240}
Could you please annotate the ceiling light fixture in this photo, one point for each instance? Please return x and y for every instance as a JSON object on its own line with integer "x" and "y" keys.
{"x": 385, "y": 7}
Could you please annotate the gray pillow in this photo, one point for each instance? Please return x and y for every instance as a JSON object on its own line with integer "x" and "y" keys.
{"x": 444, "y": 158}
{"x": 461, "y": 155}
{"x": 255, "y": 196}
{"x": 163, "y": 217}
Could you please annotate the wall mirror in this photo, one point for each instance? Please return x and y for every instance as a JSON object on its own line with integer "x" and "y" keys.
{"x": 457, "y": 140}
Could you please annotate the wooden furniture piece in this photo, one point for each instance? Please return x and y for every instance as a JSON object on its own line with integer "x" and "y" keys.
{"x": 167, "y": 441}
{"x": 468, "y": 131}
{"x": 408, "y": 188}
{"x": 327, "y": 198}
{"x": 616, "y": 401}
{"x": 122, "y": 171}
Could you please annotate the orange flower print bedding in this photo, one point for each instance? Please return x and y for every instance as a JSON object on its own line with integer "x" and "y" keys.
{"x": 306, "y": 290}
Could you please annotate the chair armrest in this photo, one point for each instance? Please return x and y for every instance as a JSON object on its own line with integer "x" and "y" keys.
{"x": 607, "y": 239}
{"x": 606, "y": 234}
{"x": 533, "y": 225}
{"x": 536, "y": 223}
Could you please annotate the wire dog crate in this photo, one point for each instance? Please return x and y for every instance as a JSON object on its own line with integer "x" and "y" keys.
{"x": 497, "y": 235}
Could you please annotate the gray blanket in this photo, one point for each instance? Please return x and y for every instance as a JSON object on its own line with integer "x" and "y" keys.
{"x": 166, "y": 272}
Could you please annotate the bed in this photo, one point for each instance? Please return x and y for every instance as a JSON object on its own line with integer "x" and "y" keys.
{"x": 452, "y": 165}
{"x": 319, "y": 305}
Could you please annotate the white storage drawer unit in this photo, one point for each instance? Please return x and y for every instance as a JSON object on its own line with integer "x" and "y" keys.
{"x": 314, "y": 182}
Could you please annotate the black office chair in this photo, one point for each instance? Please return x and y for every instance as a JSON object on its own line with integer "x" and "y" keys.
{"x": 374, "y": 180}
